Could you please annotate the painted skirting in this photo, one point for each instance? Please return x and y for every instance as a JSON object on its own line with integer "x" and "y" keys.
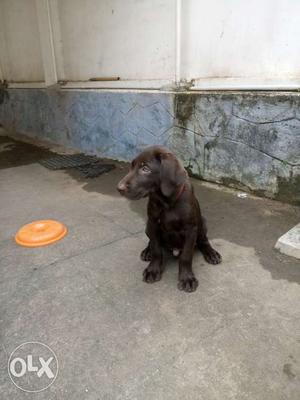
{"x": 249, "y": 140}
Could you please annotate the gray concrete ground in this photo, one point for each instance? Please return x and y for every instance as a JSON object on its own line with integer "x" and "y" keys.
{"x": 115, "y": 337}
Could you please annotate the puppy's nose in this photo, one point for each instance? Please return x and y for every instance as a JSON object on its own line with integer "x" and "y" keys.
{"x": 122, "y": 187}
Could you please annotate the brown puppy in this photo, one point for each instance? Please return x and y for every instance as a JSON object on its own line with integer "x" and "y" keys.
{"x": 174, "y": 218}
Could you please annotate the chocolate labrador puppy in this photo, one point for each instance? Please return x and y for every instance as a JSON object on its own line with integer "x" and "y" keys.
{"x": 174, "y": 221}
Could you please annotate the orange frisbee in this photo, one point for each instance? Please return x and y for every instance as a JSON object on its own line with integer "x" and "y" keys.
{"x": 40, "y": 233}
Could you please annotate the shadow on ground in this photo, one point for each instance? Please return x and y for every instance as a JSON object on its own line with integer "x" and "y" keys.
{"x": 14, "y": 153}
{"x": 251, "y": 222}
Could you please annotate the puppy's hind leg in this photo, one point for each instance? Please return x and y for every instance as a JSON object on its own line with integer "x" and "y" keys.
{"x": 209, "y": 253}
{"x": 146, "y": 254}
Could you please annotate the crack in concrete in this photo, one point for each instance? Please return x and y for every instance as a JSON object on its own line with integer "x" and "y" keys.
{"x": 265, "y": 122}
{"x": 82, "y": 252}
{"x": 260, "y": 151}
{"x": 191, "y": 130}
{"x": 237, "y": 141}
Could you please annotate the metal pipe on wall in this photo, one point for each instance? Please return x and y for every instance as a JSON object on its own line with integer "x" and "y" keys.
{"x": 178, "y": 42}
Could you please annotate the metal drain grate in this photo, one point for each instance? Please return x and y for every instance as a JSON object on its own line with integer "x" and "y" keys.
{"x": 94, "y": 169}
{"x": 63, "y": 161}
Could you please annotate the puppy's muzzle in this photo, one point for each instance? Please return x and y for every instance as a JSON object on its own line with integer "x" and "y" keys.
{"x": 123, "y": 187}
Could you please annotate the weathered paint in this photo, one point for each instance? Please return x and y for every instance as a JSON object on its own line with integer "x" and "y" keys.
{"x": 245, "y": 140}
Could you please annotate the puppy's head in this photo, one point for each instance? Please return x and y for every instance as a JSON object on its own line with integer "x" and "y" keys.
{"x": 156, "y": 169}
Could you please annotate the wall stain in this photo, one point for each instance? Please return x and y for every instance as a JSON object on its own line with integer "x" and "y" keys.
{"x": 211, "y": 144}
{"x": 3, "y": 92}
{"x": 184, "y": 108}
{"x": 289, "y": 190}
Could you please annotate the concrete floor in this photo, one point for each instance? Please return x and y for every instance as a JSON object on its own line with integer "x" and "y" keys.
{"x": 115, "y": 337}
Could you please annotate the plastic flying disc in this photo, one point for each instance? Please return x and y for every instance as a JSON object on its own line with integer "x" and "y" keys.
{"x": 40, "y": 233}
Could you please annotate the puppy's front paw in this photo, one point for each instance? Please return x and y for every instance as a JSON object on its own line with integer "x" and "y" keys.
{"x": 212, "y": 256}
{"x": 188, "y": 284}
{"x": 151, "y": 275}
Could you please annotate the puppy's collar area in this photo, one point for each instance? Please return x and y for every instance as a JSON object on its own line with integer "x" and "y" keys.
{"x": 180, "y": 191}
{"x": 169, "y": 202}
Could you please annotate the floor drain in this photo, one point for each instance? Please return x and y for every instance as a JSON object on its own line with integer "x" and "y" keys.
{"x": 95, "y": 169}
{"x": 63, "y": 161}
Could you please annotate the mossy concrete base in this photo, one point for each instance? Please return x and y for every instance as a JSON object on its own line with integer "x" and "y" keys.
{"x": 246, "y": 140}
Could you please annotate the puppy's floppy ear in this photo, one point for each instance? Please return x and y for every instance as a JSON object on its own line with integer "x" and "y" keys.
{"x": 172, "y": 174}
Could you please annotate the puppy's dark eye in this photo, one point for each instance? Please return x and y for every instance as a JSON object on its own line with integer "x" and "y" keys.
{"x": 145, "y": 169}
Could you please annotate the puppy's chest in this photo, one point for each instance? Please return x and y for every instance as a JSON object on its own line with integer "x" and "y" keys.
{"x": 169, "y": 222}
{"x": 172, "y": 232}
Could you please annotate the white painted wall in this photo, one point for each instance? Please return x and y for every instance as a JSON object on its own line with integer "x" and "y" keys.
{"x": 132, "y": 39}
{"x": 20, "y": 50}
{"x": 251, "y": 41}
{"x": 222, "y": 42}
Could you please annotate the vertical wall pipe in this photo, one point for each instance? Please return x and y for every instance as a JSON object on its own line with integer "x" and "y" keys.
{"x": 178, "y": 43}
